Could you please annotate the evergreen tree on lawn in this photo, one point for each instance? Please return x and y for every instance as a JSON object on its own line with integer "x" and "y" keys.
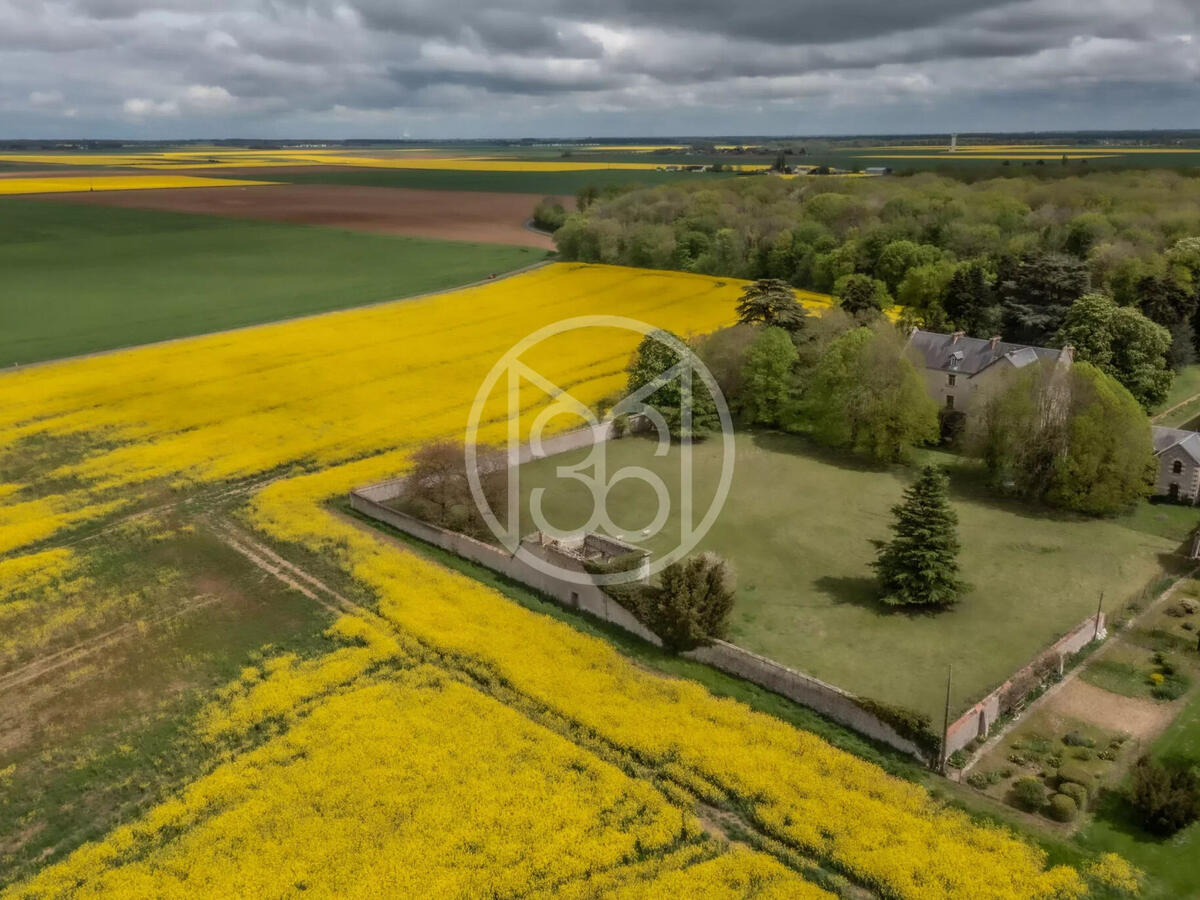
{"x": 919, "y": 567}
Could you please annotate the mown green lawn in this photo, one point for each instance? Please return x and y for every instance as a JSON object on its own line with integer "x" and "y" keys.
{"x": 800, "y": 527}
{"x": 1185, "y": 387}
{"x": 78, "y": 279}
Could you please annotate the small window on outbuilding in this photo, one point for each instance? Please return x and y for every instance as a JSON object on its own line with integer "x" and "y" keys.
{"x": 1177, "y": 466}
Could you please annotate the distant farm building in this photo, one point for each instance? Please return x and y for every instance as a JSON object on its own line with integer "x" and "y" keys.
{"x": 878, "y": 170}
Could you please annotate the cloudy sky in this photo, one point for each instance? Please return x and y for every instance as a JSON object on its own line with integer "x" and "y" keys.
{"x": 512, "y": 68}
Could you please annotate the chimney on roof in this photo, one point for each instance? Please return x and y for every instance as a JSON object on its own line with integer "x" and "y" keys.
{"x": 993, "y": 341}
{"x": 958, "y": 334}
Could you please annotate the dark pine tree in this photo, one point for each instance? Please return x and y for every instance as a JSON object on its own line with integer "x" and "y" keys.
{"x": 970, "y": 302}
{"x": 771, "y": 301}
{"x": 1035, "y": 293}
{"x": 919, "y": 566}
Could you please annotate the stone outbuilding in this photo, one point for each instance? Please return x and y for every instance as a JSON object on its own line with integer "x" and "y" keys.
{"x": 1178, "y": 453}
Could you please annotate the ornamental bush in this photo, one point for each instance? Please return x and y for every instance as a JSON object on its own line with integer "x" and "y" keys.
{"x": 1076, "y": 792}
{"x": 1062, "y": 808}
{"x": 1030, "y": 794}
{"x": 1073, "y": 772}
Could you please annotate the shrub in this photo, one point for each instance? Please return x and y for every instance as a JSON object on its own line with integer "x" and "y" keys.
{"x": 1081, "y": 753}
{"x": 978, "y": 780}
{"x": 1038, "y": 744}
{"x": 1172, "y": 687}
{"x": 958, "y": 759}
{"x": 1062, "y": 808}
{"x": 1075, "y": 739}
{"x": 1030, "y": 794}
{"x": 1166, "y": 799}
{"x": 1073, "y": 772}
{"x": 1050, "y": 773}
{"x": 916, "y": 726}
{"x": 1076, "y": 792}
{"x": 691, "y": 604}
{"x": 1108, "y": 755}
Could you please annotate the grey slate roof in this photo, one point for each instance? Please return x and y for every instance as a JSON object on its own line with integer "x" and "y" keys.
{"x": 1166, "y": 438}
{"x": 971, "y": 356}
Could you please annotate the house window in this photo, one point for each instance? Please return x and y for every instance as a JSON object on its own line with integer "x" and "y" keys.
{"x": 1177, "y": 467}
{"x": 951, "y": 380}
{"x": 949, "y": 401}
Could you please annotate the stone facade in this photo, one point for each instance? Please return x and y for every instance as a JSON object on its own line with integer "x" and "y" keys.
{"x": 1178, "y": 453}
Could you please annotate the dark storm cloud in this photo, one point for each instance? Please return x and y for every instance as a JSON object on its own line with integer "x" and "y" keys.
{"x": 561, "y": 66}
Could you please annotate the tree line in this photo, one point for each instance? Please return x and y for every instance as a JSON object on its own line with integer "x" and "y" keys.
{"x": 1071, "y": 436}
{"x": 1007, "y": 256}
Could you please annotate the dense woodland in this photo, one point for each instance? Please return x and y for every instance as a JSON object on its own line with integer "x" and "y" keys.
{"x": 1007, "y": 256}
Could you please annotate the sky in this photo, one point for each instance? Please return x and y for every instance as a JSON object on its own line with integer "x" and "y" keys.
{"x": 424, "y": 69}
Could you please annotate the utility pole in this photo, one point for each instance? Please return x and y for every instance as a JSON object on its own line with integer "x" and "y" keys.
{"x": 1099, "y": 609}
{"x": 946, "y": 721}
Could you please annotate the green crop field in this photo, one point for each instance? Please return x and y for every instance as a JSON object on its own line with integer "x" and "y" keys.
{"x": 546, "y": 183}
{"x": 800, "y": 529}
{"x": 79, "y": 279}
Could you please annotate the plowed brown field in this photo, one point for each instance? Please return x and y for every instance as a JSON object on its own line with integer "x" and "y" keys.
{"x": 497, "y": 218}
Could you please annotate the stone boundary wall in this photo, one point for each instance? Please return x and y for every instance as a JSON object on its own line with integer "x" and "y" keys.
{"x": 585, "y": 597}
{"x": 977, "y": 721}
{"x": 827, "y": 699}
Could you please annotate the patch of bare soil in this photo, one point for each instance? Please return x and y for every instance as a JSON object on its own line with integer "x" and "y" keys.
{"x": 1144, "y": 719}
{"x": 486, "y": 217}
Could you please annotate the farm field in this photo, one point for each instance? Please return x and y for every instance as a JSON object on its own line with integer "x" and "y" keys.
{"x": 539, "y": 183}
{"x": 85, "y": 183}
{"x": 579, "y": 766}
{"x": 806, "y": 590}
{"x": 449, "y": 215}
{"x": 80, "y": 279}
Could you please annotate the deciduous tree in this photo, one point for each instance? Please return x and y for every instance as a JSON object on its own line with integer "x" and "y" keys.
{"x": 657, "y": 354}
{"x": 1121, "y": 342}
{"x": 865, "y": 394}
{"x": 767, "y": 377}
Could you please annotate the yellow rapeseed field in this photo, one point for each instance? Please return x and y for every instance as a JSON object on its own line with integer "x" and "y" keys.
{"x": 390, "y": 770}
{"x": 85, "y": 183}
{"x": 227, "y": 159}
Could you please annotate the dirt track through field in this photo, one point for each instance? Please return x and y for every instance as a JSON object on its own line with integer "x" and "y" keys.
{"x": 496, "y": 218}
